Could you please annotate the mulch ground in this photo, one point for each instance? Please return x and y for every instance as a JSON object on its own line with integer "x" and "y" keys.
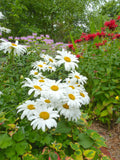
{"x": 112, "y": 138}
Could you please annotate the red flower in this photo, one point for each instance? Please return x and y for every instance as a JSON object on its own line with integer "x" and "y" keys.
{"x": 102, "y": 34}
{"x": 111, "y": 24}
{"x": 78, "y": 55}
{"x": 90, "y": 37}
{"x": 118, "y": 18}
{"x": 103, "y": 28}
{"x": 78, "y": 40}
{"x": 110, "y": 34}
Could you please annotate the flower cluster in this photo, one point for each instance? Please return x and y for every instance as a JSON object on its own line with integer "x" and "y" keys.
{"x": 111, "y": 24}
{"x": 54, "y": 98}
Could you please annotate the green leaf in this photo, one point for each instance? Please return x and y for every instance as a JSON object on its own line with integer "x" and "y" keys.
{"x": 105, "y": 158}
{"x": 89, "y": 154}
{"x": 5, "y": 141}
{"x": 104, "y": 113}
{"x": 19, "y": 135}
{"x": 21, "y": 147}
{"x": 108, "y": 70}
{"x": 85, "y": 140}
{"x": 47, "y": 139}
{"x": 118, "y": 120}
{"x": 101, "y": 143}
{"x": 110, "y": 109}
{"x": 2, "y": 156}
{"x": 10, "y": 151}
{"x": 29, "y": 156}
{"x": 75, "y": 146}
{"x": 78, "y": 155}
{"x": 56, "y": 146}
{"x": 53, "y": 156}
{"x": 62, "y": 127}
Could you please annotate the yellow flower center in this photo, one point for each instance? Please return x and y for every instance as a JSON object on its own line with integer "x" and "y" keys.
{"x": 82, "y": 94}
{"x": 36, "y": 73}
{"x": 30, "y": 107}
{"x": 41, "y": 80}
{"x": 40, "y": 65}
{"x": 67, "y": 59}
{"x": 44, "y": 62}
{"x": 72, "y": 87}
{"x": 47, "y": 101}
{"x": 42, "y": 77}
{"x": 65, "y": 106}
{"x": 50, "y": 67}
{"x": 71, "y": 96}
{"x": 13, "y": 44}
{"x": 77, "y": 77}
{"x": 44, "y": 115}
{"x": 55, "y": 88}
{"x": 50, "y": 59}
{"x": 37, "y": 87}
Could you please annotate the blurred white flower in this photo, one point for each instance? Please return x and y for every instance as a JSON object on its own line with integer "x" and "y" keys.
{"x": 1, "y": 93}
{"x": 3, "y": 29}
{"x": 17, "y": 49}
{"x": 1, "y": 15}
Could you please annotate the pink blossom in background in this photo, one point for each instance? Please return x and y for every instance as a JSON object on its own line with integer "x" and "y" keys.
{"x": 47, "y": 36}
{"x": 34, "y": 34}
{"x": 10, "y": 37}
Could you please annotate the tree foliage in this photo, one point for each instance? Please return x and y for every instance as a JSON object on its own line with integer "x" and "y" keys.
{"x": 54, "y": 17}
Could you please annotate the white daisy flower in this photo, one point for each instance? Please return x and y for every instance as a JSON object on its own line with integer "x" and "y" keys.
{"x": 9, "y": 47}
{"x": 27, "y": 108}
{"x": 69, "y": 113}
{"x": 44, "y": 101}
{"x": 44, "y": 117}
{"x": 77, "y": 77}
{"x": 36, "y": 73}
{"x": 84, "y": 97}
{"x": 69, "y": 60}
{"x": 40, "y": 65}
{"x": 73, "y": 98}
{"x": 43, "y": 56}
{"x": 51, "y": 68}
{"x": 34, "y": 85}
{"x": 50, "y": 60}
{"x": 55, "y": 89}
{"x": 72, "y": 84}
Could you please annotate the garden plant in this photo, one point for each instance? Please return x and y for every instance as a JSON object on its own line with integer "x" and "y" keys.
{"x": 51, "y": 91}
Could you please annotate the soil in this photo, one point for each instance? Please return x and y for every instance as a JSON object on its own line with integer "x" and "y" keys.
{"x": 112, "y": 138}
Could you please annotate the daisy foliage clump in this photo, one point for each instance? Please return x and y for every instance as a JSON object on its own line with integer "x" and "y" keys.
{"x": 57, "y": 89}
